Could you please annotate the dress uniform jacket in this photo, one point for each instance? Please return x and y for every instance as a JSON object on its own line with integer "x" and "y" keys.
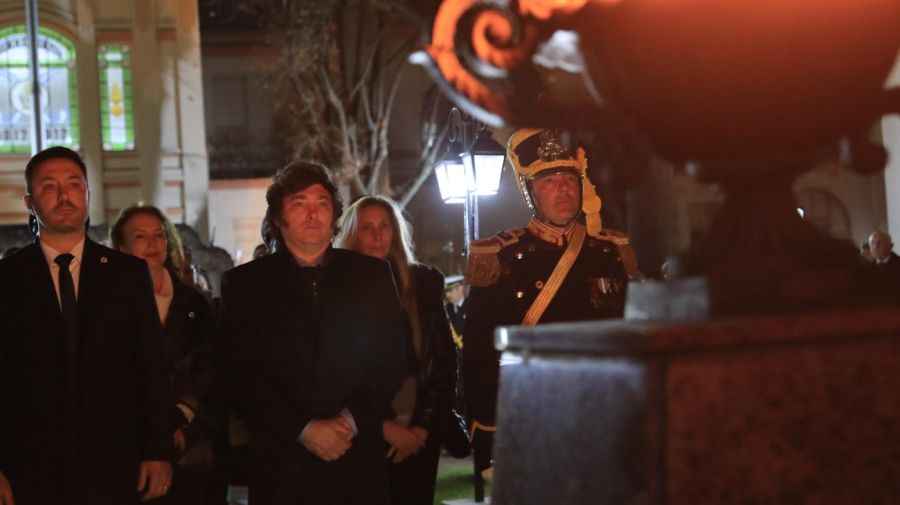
{"x": 514, "y": 266}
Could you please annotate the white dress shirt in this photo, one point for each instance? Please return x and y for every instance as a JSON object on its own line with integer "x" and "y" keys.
{"x": 74, "y": 267}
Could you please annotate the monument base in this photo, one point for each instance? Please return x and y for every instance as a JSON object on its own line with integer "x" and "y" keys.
{"x": 776, "y": 409}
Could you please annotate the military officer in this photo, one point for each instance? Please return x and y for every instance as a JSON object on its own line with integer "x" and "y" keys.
{"x": 563, "y": 266}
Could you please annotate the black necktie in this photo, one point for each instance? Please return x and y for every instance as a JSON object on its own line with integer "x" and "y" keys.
{"x": 68, "y": 301}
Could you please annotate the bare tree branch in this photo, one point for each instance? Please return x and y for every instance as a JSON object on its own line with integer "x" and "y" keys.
{"x": 370, "y": 62}
{"x": 342, "y": 66}
{"x": 434, "y": 130}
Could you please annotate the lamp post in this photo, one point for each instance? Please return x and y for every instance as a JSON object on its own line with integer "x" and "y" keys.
{"x": 31, "y": 27}
{"x": 470, "y": 168}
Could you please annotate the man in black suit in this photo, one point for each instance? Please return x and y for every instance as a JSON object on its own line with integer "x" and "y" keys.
{"x": 882, "y": 249}
{"x": 884, "y": 271}
{"x": 85, "y": 408}
{"x": 315, "y": 338}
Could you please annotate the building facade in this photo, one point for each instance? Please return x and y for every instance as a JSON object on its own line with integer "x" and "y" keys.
{"x": 120, "y": 82}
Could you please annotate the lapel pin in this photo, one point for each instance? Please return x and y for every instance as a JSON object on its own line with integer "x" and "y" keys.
{"x": 103, "y": 259}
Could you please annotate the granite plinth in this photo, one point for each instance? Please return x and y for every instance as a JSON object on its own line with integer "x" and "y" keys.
{"x": 788, "y": 409}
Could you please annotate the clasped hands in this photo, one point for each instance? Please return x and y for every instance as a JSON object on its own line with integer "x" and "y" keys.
{"x": 404, "y": 441}
{"x": 329, "y": 439}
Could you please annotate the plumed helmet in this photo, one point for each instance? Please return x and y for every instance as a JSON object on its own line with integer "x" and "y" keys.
{"x": 534, "y": 152}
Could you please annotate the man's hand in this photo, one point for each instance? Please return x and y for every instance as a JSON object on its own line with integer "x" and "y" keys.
{"x": 6, "y": 497}
{"x": 328, "y": 439}
{"x": 154, "y": 479}
{"x": 404, "y": 441}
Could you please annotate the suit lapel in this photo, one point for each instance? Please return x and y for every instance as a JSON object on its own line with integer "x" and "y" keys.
{"x": 91, "y": 279}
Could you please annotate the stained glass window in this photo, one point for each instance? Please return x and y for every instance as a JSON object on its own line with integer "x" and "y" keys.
{"x": 116, "y": 118}
{"x": 58, "y": 91}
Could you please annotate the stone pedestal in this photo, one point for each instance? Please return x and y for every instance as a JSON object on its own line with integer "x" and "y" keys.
{"x": 786, "y": 409}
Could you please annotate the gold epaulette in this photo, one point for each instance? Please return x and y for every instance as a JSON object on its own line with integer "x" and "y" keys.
{"x": 616, "y": 237}
{"x": 629, "y": 260}
{"x": 483, "y": 268}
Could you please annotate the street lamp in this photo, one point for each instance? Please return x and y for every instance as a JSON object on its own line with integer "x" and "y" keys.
{"x": 467, "y": 170}
{"x": 484, "y": 159}
{"x": 451, "y": 175}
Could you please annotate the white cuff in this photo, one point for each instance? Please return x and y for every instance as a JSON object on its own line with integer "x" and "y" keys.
{"x": 348, "y": 416}
{"x": 302, "y": 437}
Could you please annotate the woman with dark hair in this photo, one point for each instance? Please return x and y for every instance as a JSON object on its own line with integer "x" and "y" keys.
{"x": 375, "y": 226}
{"x": 187, "y": 321}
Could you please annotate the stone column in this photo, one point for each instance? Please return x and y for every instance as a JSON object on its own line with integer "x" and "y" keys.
{"x": 192, "y": 130}
{"x": 89, "y": 105}
{"x": 147, "y": 84}
{"x": 890, "y": 126}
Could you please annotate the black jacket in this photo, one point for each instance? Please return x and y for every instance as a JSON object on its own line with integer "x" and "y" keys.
{"x": 882, "y": 280}
{"x": 61, "y": 444}
{"x": 593, "y": 289}
{"x": 436, "y": 371}
{"x": 188, "y": 340}
{"x": 302, "y": 344}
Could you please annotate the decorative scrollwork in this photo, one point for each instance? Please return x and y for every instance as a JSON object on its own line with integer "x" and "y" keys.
{"x": 477, "y": 44}
{"x": 497, "y": 37}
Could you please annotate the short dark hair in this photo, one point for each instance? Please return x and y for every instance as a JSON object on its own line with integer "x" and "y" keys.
{"x": 51, "y": 153}
{"x": 297, "y": 176}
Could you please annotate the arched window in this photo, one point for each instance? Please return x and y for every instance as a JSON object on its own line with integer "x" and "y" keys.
{"x": 116, "y": 119}
{"x": 58, "y": 90}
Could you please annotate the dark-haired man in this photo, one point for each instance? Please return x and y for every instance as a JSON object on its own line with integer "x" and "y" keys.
{"x": 315, "y": 337}
{"x": 84, "y": 397}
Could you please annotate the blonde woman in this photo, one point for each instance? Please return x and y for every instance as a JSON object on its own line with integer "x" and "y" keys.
{"x": 374, "y": 226}
{"x": 187, "y": 323}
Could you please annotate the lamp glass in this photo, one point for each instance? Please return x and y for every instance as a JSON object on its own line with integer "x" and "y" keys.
{"x": 451, "y": 176}
{"x": 485, "y": 159}
{"x": 488, "y": 169}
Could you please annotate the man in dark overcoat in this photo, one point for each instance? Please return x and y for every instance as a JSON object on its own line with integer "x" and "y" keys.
{"x": 85, "y": 406}
{"x": 315, "y": 339}
{"x": 883, "y": 274}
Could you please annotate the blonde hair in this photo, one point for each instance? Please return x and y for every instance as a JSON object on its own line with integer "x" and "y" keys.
{"x": 174, "y": 250}
{"x": 401, "y": 254}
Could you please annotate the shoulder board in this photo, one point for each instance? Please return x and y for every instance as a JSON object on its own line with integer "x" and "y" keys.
{"x": 483, "y": 268}
{"x": 616, "y": 237}
{"x": 485, "y": 246}
{"x": 623, "y": 246}
{"x": 509, "y": 237}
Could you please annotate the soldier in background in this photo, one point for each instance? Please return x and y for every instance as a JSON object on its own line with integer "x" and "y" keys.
{"x": 455, "y": 295}
{"x": 563, "y": 266}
